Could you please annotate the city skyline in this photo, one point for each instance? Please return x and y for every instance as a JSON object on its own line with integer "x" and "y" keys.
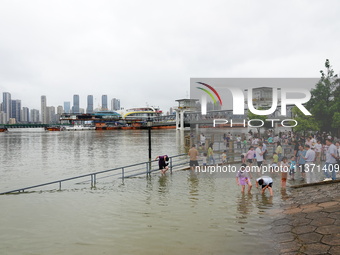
{"x": 13, "y": 111}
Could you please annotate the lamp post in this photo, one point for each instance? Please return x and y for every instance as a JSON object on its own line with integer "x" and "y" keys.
{"x": 149, "y": 125}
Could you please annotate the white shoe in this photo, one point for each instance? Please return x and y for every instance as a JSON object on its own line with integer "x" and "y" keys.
{"x": 327, "y": 179}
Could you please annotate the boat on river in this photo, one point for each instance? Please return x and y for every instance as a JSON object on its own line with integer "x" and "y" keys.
{"x": 142, "y": 113}
{"x": 79, "y": 128}
{"x": 54, "y": 128}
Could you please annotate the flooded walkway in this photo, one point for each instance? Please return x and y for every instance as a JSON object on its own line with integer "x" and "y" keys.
{"x": 310, "y": 220}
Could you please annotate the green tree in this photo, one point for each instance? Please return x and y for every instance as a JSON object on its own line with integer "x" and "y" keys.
{"x": 305, "y": 123}
{"x": 336, "y": 121}
{"x": 325, "y": 101}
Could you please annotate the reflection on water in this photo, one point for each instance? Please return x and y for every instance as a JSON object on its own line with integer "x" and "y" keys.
{"x": 193, "y": 184}
{"x": 264, "y": 202}
{"x": 284, "y": 194}
{"x": 244, "y": 207}
{"x": 180, "y": 213}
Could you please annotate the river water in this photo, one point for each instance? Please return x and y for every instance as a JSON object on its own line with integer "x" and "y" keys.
{"x": 180, "y": 213}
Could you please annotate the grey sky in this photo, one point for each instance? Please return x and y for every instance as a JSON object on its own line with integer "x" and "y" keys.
{"x": 146, "y": 51}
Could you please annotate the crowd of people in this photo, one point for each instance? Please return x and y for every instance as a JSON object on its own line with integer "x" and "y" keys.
{"x": 308, "y": 154}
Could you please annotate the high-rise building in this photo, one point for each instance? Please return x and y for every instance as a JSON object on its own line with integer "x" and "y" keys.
{"x": 3, "y": 118}
{"x": 89, "y": 108}
{"x": 67, "y": 107}
{"x": 60, "y": 110}
{"x": 75, "y": 108}
{"x": 104, "y": 103}
{"x": 7, "y": 105}
{"x": 34, "y": 118}
{"x": 43, "y": 110}
{"x": 115, "y": 104}
{"x": 50, "y": 115}
{"x": 25, "y": 117}
{"x": 16, "y": 110}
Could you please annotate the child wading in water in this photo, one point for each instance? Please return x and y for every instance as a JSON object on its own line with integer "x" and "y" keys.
{"x": 243, "y": 178}
{"x": 266, "y": 182}
{"x": 292, "y": 167}
{"x": 224, "y": 157}
{"x": 275, "y": 160}
{"x": 250, "y": 156}
{"x": 284, "y": 167}
{"x": 204, "y": 159}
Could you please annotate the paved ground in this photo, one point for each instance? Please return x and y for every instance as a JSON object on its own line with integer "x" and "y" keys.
{"x": 309, "y": 222}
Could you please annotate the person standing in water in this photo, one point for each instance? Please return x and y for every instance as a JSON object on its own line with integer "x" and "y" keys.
{"x": 193, "y": 154}
{"x": 266, "y": 182}
{"x": 211, "y": 154}
{"x": 243, "y": 178}
{"x": 163, "y": 163}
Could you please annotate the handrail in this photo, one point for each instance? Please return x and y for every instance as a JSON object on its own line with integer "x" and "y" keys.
{"x": 93, "y": 175}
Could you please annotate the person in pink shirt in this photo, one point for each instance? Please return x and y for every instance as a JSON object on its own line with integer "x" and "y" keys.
{"x": 250, "y": 156}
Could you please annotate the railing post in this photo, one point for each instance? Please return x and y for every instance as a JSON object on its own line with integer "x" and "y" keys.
{"x": 171, "y": 165}
{"x": 123, "y": 173}
{"x": 59, "y": 185}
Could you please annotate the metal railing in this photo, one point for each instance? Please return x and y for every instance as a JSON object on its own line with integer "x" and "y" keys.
{"x": 145, "y": 168}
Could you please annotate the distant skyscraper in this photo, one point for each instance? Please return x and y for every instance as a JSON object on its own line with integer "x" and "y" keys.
{"x": 7, "y": 105}
{"x": 60, "y": 110}
{"x": 50, "y": 115}
{"x": 3, "y": 118}
{"x": 16, "y": 110}
{"x": 25, "y": 115}
{"x": 89, "y": 108}
{"x": 67, "y": 107}
{"x": 43, "y": 110}
{"x": 115, "y": 104}
{"x": 104, "y": 103}
{"x": 75, "y": 108}
{"x": 34, "y": 118}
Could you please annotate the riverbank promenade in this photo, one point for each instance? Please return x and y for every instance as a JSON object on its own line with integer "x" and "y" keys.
{"x": 309, "y": 222}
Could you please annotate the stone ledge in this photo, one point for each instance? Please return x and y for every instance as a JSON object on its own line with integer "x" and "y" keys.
{"x": 314, "y": 184}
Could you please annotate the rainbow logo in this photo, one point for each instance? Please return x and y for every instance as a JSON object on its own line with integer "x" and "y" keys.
{"x": 209, "y": 92}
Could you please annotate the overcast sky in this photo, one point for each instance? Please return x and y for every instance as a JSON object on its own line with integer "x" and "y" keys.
{"x": 146, "y": 51}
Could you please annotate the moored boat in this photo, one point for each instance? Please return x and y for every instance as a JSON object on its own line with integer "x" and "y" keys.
{"x": 25, "y": 129}
{"x": 79, "y": 128}
{"x": 142, "y": 113}
{"x": 56, "y": 128}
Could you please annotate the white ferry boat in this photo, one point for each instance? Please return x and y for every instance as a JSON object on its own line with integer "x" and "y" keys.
{"x": 142, "y": 113}
{"x": 79, "y": 128}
